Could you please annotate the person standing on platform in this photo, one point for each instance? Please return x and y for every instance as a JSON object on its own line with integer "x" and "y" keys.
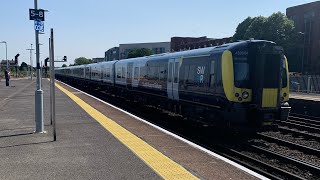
{"x": 7, "y": 76}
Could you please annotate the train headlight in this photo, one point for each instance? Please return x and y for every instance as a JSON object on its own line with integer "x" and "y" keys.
{"x": 245, "y": 95}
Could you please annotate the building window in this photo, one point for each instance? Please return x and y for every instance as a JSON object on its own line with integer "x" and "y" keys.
{"x": 309, "y": 15}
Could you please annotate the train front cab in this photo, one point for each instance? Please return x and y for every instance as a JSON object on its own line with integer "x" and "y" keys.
{"x": 255, "y": 81}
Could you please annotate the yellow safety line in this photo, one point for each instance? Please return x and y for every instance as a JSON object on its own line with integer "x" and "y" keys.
{"x": 161, "y": 164}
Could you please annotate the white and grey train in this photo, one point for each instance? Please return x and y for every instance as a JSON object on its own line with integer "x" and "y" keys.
{"x": 241, "y": 84}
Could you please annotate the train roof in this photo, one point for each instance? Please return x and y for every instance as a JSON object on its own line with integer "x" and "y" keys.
{"x": 192, "y": 52}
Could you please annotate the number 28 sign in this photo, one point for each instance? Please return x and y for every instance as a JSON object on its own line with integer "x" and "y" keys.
{"x": 39, "y": 26}
{"x": 36, "y": 14}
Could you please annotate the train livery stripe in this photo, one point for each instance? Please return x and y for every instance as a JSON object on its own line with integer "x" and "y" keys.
{"x": 161, "y": 164}
{"x": 286, "y": 89}
{"x": 227, "y": 75}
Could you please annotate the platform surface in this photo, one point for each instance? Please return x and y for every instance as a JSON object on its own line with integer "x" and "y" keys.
{"x": 85, "y": 149}
{"x": 305, "y": 96}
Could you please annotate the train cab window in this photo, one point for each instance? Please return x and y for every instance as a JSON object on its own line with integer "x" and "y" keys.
{"x": 212, "y": 74}
{"x": 241, "y": 73}
{"x": 136, "y": 73}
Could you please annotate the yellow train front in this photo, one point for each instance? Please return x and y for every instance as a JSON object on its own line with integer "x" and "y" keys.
{"x": 255, "y": 82}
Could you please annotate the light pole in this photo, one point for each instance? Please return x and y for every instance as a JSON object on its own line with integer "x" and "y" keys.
{"x": 301, "y": 33}
{"x": 31, "y": 64}
{"x": 38, "y": 92}
{"x": 6, "y": 53}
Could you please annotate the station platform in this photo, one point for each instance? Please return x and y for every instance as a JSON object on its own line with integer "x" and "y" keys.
{"x": 305, "y": 96}
{"x": 303, "y": 103}
{"x": 95, "y": 141}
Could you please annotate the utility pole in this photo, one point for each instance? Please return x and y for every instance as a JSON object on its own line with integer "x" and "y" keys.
{"x": 31, "y": 64}
{"x": 52, "y": 86}
{"x": 38, "y": 92}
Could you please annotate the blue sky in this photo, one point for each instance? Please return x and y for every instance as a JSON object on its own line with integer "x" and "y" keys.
{"x": 89, "y": 28}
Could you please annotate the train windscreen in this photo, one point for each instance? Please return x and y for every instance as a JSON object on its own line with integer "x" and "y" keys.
{"x": 241, "y": 68}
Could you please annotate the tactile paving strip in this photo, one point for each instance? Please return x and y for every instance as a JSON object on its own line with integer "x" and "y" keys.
{"x": 161, "y": 164}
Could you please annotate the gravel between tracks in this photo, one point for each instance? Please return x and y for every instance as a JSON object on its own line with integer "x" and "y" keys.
{"x": 287, "y": 151}
{"x": 288, "y": 137}
{"x": 312, "y": 133}
{"x": 288, "y": 167}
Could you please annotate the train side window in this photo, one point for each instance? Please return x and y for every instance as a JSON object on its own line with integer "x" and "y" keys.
{"x": 136, "y": 71}
{"x": 212, "y": 74}
{"x": 163, "y": 65}
{"x": 119, "y": 72}
{"x": 186, "y": 76}
{"x": 108, "y": 72}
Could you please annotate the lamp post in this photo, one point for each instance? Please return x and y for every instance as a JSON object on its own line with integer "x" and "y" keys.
{"x": 6, "y": 53}
{"x": 301, "y": 33}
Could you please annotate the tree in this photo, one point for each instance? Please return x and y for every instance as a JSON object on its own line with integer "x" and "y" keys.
{"x": 82, "y": 60}
{"x": 140, "y": 52}
{"x": 23, "y": 67}
{"x": 277, "y": 28}
{"x": 64, "y": 65}
{"x": 256, "y": 29}
{"x": 241, "y": 29}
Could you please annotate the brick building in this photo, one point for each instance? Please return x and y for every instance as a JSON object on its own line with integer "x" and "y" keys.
{"x": 97, "y": 60}
{"x": 186, "y": 43}
{"x": 112, "y": 54}
{"x": 306, "y": 18}
{"x": 156, "y": 47}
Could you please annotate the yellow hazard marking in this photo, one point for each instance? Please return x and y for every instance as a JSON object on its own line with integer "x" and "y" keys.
{"x": 161, "y": 164}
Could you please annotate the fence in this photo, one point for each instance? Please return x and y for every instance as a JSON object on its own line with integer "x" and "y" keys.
{"x": 13, "y": 74}
{"x": 305, "y": 83}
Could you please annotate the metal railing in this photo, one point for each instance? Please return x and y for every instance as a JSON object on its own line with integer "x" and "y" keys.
{"x": 305, "y": 83}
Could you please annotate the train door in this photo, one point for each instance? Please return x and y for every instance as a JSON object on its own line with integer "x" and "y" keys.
{"x": 136, "y": 75}
{"x": 267, "y": 81}
{"x": 173, "y": 78}
{"x": 129, "y": 75}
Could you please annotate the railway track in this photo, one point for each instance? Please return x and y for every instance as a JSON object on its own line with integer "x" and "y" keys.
{"x": 292, "y": 145}
{"x": 297, "y": 133}
{"x": 300, "y": 126}
{"x": 259, "y": 159}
